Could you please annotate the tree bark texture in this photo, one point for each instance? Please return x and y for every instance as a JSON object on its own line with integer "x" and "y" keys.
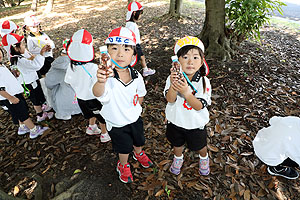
{"x": 213, "y": 32}
{"x": 175, "y": 8}
{"x": 34, "y": 5}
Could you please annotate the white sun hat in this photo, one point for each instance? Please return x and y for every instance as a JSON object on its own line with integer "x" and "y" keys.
{"x": 8, "y": 27}
{"x": 81, "y": 46}
{"x": 133, "y": 6}
{"x": 31, "y": 20}
{"x": 194, "y": 41}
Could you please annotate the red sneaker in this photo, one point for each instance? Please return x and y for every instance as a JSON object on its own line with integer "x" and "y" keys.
{"x": 124, "y": 173}
{"x": 143, "y": 159}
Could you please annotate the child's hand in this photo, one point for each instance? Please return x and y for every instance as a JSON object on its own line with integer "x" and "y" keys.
{"x": 46, "y": 48}
{"x": 173, "y": 76}
{"x": 181, "y": 86}
{"x": 14, "y": 100}
{"x": 103, "y": 73}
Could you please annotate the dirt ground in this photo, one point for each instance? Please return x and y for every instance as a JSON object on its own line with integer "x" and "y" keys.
{"x": 261, "y": 81}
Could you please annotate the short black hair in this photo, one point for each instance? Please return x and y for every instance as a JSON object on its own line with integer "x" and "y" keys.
{"x": 135, "y": 15}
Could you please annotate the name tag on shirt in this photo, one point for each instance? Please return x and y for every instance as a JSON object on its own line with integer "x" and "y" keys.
{"x": 34, "y": 84}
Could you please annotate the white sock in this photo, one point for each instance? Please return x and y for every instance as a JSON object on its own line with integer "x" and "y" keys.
{"x": 180, "y": 157}
{"x": 22, "y": 126}
{"x": 203, "y": 157}
{"x": 93, "y": 126}
{"x": 33, "y": 129}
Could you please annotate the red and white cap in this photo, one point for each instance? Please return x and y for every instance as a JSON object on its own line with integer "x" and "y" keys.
{"x": 11, "y": 39}
{"x": 81, "y": 46}
{"x": 133, "y": 6}
{"x": 31, "y": 20}
{"x": 121, "y": 35}
{"x": 194, "y": 41}
{"x": 8, "y": 27}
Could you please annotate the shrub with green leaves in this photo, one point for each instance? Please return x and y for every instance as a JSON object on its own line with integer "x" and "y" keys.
{"x": 245, "y": 17}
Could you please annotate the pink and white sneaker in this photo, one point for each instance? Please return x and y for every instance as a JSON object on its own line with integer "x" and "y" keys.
{"x": 104, "y": 137}
{"x": 37, "y": 131}
{"x": 148, "y": 72}
{"x": 45, "y": 107}
{"x": 93, "y": 131}
{"x": 45, "y": 115}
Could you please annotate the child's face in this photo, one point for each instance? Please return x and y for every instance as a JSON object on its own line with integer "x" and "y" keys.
{"x": 34, "y": 29}
{"x": 121, "y": 54}
{"x": 191, "y": 62}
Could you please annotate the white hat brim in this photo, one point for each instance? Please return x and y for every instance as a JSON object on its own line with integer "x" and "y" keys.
{"x": 80, "y": 52}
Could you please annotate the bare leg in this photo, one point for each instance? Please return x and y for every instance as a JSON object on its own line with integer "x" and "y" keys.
{"x": 28, "y": 123}
{"x": 203, "y": 151}
{"x": 143, "y": 62}
{"x": 92, "y": 121}
{"x": 103, "y": 128}
{"x": 178, "y": 151}
{"x": 38, "y": 109}
{"x": 123, "y": 158}
{"x": 137, "y": 150}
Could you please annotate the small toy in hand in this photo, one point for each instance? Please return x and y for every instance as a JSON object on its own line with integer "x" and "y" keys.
{"x": 176, "y": 67}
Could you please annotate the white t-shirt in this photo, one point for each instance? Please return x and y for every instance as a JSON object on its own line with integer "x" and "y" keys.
{"x": 36, "y": 43}
{"x": 82, "y": 79}
{"x": 280, "y": 141}
{"x": 120, "y": 101}
{"x": 181, "y": 113}
{"x": 135, "y": 29}
{"x": 28, "y": 68}
{"x": 9, "y": 82}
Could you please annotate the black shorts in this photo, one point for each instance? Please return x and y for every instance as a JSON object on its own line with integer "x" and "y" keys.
{"x": 46, "y": 67}
{"x": 91, "y": 108}
{"x": 194, "y": 138}
{"x": 123, "y": 138}
{"x": 18, "y": 111}
{"x": 36, "y": 94}
{"x": 139, "y": 52}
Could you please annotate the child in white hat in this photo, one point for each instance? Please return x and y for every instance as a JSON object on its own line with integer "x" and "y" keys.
{"x": 11, "y": 95}
{"x": 188, "y": 94}
{"x": 82, "y": 76}
{"x": 27, "y": 68}
{"x": 135, "y": 10}
{"x": 36, "y": 40}
{"x": 122, "y": 95}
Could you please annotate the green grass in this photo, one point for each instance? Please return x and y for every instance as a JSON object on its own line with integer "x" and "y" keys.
{"x": 193, "y": 4}
{"x": 282, "y": 22}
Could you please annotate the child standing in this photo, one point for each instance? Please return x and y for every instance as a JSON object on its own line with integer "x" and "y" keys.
{"x": 188, "y": 98}
{"x": 82, "y": 76}
{"x": 63, "y": 96}
{"x": 11, "y": 96}
{"x": 122, "y": 95}
{"x": 135, "y": 10}
{"x": 27, "y": 68}
{"x": 36, "y": 40}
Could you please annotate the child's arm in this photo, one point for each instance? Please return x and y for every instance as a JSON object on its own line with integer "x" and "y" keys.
{"x": 182, "y": 87}
{"x": 99, "y": 86}
{"x": 141, "y": 99}
{"x": 171, "y": 95}
{"x": 12, "y": 99}
{"x": 32, "y": 47}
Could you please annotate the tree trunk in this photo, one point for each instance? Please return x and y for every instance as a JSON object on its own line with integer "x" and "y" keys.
{"x": 49, "y": 6}
{"x": 175, "y": 8}
{"x": 34, "y": 5}
{"x": 213, "y": 32}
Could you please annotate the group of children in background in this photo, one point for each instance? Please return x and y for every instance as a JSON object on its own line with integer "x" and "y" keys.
{"x": 111, "y": 92}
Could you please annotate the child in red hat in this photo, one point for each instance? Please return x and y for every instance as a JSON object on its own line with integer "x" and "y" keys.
{"x": 135, "y": 10}
{"x": 82, "y": 76}
{"x": 121, "y": 89}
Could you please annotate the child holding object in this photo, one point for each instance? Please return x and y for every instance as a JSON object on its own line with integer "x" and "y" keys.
{"x": 121, "y": 89}
{"x": 188, "y": 92}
